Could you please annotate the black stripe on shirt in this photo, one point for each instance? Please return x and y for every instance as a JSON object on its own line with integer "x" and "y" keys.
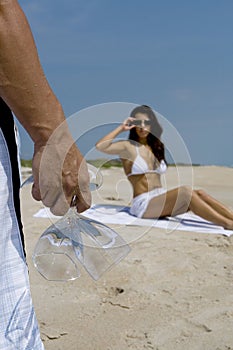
{"x": 7, "y": 126}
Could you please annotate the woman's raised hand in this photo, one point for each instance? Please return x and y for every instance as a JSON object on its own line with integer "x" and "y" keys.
{"x": 128, "y": 124}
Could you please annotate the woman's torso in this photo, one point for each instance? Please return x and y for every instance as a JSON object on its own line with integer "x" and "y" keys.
{"x": 142, "y": 168}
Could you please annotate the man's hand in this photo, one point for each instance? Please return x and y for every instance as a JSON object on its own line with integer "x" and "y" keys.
{"x": 60, "y": 172}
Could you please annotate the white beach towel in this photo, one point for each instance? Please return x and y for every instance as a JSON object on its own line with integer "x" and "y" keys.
{"x": 115, "y": 214}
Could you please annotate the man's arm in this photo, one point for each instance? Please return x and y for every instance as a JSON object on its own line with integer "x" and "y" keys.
{"x": 23, "y": 84}
{"x": 25, "y": 89}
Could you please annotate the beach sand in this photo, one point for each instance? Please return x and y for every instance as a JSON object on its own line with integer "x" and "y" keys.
{"x": 174, "y": 291}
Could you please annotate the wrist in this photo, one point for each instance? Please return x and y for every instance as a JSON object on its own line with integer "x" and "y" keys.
{"x": 47, "y": 125}
{"x": 53, "y": 135}
{"x": 120, "y": 128}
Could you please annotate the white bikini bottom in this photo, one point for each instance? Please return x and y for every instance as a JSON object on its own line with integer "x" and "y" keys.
{"x": 140, "y": 203}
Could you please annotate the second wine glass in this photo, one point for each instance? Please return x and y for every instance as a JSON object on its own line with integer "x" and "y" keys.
{"x": 75, "y": 241}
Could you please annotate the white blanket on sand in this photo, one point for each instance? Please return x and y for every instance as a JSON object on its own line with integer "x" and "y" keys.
{"x": 115, "y": 214}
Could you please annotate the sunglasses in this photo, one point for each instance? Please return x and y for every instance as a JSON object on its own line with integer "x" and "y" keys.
{"x": 140, "y": 122}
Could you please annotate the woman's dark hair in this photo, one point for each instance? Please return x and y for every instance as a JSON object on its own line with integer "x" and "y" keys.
{"x": 153, "y": 139}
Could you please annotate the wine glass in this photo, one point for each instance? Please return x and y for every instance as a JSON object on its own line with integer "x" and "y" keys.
{"x": 75, "y": 240}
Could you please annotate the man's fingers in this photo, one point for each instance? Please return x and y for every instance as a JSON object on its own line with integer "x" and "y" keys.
{"x": 60, "y": 207}
{"x": 36, "y": 192}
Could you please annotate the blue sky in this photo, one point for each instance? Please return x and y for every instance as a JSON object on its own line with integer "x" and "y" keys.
{"x": 176, "y": 56}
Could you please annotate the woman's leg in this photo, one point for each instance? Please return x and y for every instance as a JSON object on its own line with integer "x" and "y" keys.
{"x": 216, "y": 205}
{"x": 179, "y": 201}
{"x": 171, "y": 203}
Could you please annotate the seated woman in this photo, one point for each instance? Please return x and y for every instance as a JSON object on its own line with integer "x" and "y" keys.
{"x": 143, "y": 160}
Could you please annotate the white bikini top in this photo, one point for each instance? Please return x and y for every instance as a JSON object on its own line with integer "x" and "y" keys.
{"x": 140, "y": 166}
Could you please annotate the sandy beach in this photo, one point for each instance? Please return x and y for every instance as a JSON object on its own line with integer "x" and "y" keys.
{"x": 174, "y": 291}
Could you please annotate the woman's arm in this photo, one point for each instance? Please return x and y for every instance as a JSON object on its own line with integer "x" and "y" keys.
{"x": 25, "y": 89}
{"x": 106, "y": 144}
